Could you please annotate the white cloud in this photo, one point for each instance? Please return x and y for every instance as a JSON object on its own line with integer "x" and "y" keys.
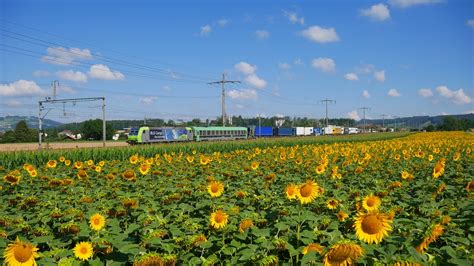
{"x": 353, "y": 115}
{"x": 351, "y": 76}
{"x": 379, "y": 75}
{"x": 148, "y": 100}
{"x": 66, "y": 56}
{"x": 366, "y": 94}
{"x": 245, "y": 68}
{"x": 71, "y": 75}
{"x": 256, "y": 81}
{"x": 470, "y": 23}
{"x": 41, "y": 73}
{"x": 298, "y": 62}
{"x": 457, "y": 97}
{"x": 262, "y": 34}
{"x": 393, "y": 93}
{"x": 425, "y": 93}
{"x": 365, "y": 69}
{"x": 410, "y": 3}
{"x": 21, "y": 88}
{"x": 206, "y": 30}
{"x": 242, "y": 94}
{"x": 293, "y": 17}
{"x": 222, "y": 22}
{"x": 13, "y": 103}
{"x": 379, "y": 12}
{"x": 324, "y": 64}
{"x": 239, "y": 106}
{"x": 284, "y": 66}
{"x": 66, "y": 89}
{"x": 320, "y": 35}
{"x": 100, "y": 71}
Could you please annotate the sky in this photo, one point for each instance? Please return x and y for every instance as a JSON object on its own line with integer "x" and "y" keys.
{"x": 155, "y": 59}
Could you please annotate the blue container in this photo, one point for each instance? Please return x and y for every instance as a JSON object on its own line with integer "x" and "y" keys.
{"x": 317, "y": 131}
{"x": 285, "y": 131}
{"x": 263, "y": 131}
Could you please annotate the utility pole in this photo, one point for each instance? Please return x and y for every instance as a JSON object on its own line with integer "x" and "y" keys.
{"x": 326, "y": 101}
{"x": 55, "y": 86}
{"x": 259, "y": 125}
{"x": 223, "y": 82}
{"x": 383, "y": 120}
{"x": 363, "y": 110}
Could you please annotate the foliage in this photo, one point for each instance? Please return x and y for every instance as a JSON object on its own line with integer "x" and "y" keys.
{"x": 21, "y": 134}
{"x": 92, "y": 129}
{"x": 158, "y": 208}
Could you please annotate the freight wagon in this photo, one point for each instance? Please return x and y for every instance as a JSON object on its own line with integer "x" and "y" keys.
{"x": 263, "y": 131}
{"x": 283, "y": 131}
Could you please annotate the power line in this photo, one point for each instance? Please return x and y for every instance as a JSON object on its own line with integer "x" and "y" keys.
{"x": 326, "y": 101}
{"x": 223, "y": 82}
{"x": 364, "y": 109}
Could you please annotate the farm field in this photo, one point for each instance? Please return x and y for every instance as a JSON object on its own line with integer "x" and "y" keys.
{"x": 59, "y": 145}
{"x": 331, "y": 201}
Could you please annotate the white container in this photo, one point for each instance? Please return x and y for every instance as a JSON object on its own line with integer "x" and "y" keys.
{"x": 308, "y": 131}
{"x": 300, "y": 131}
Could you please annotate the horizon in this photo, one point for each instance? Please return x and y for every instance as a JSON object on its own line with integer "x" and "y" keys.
{"x": 400, "y": 58}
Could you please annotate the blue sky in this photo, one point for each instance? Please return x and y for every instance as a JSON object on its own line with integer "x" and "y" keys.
{"x": 154, "y": 58}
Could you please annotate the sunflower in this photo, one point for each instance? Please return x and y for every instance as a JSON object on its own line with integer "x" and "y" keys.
{"x": 133, "y": 159}
{"x": 98, "y": 169}
{"x": 67, "y": 162}
{"x": 82, "y": 174}
{"x": 470, "y": 186}
{"x": 372, "y": 227}
{"x": 204, "y": 160}
{"x": 313, "y": 247}
{"x": 332, "y": 204}
{"x": 33, "y": 173}
{"x": 245, "y": 224}
{"x": 90, "y": 162}
{"x": 144, "y": 169}
{"x": 78, "y": 165}
{"x": 342, "y": 216}
{"x": 254, "y": 165}
{"x": 97, "y": 222}
{"x": 430, "y": 157}
{"x": 320, "y": 169}
{"x": 190, "y": 159}
{"x": 405, "y": 175}
{"x": 438, "y": 170}
{"x": 215, "y": 189}
{"x": 129, "y": 175}
{"x": 12, "y": 179}
{"x": 62, "y": 159}
{"x": 241, "y": 194}
{"x": 83, "y": 250}
{"x": 51, "y": 164}
{"x": 290, "y": 191}
{"x": 343, "y": 254}
{"x": 307, "y": 192}
{"x": 219, "y": 219}
{"x": 20, "y": 253}
{"x": 371, "y": 203}
{"x": 436, "y": 231}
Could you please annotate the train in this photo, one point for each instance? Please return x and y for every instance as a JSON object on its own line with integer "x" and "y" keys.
{"x": 146, "y": 134}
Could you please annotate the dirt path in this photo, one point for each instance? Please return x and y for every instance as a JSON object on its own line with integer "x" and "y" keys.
{"x": 59, "y": 145}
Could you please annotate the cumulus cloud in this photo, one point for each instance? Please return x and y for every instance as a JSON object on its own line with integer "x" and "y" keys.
{"x": 457, "y": 97}
{"x": 425, "y": 93}
{"x": 222, "y": 22}
{"x": 351, "y": 76}
{"x": 379, "y": 75}
{"x": 246, "y": 94}
{"x": 353, "y": 115}
{"x": 255, "y": 81}
{"x": 41, "y": 73}
{"x": 410, "y": 3}
{"x": 320, "y": 35}
{"x": 324, "y": 64}
{"x": 262, "y": 34}
{"x": 21, "y": 88}
{"x": 72, "y": 76}
{"x": 470, "y": 23}
{"x": 393, "y": 93}
{"x": 148, "y": 100}
{"x": 206, "y": 30}
{"x": 293, "y": 17}
{"x": 284, "y": 66}
{"x": 365, "y": 69}
{"x": 100, "y": 71}
{"x": 366, "y": 94}
{"x": 378, "y": 12}
{"x": 66, "y": 56}
{"x": 245, "y": 68}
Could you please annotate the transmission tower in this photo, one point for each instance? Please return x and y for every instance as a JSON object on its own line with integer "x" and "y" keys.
{"x": 223, "y": 82}
{"x": 326, "y": 101}
{"x": 383, "y": 120}
{"x": 363, "y": 110}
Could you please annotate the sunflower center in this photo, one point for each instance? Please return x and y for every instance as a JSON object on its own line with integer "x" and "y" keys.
{"x": 306, "y": 190}
{"x": 96, "y": 221}
{"x": 371, "y": 202}
{"x": 11, "y": 178}
{"x": 83, "y": 250}
{"x": 214, "y": 188}
{"x": 371, "y": 224}
{"x": 22, "y": 253}
{"x": 219, "y": 218}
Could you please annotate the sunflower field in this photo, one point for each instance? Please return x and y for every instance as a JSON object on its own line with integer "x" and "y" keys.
{"x": 404, "y": 201}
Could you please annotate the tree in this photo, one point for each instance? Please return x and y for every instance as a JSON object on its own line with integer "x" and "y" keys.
{"x": 92, "y": 129}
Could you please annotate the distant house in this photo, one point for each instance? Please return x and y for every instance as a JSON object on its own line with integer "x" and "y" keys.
{"x": 68, "y": 134}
